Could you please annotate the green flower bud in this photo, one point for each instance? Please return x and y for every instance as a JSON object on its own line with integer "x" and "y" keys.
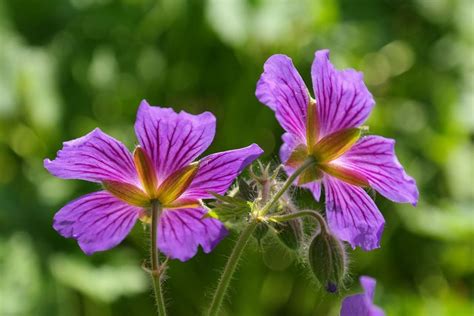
{"x": 327, "y": 259}
{"x": 291, "y": 233}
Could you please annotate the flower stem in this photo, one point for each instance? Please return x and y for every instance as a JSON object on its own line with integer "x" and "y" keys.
{"x": 266, "y": 191}
{"x": 230, "y": 268}
{"x": 289, "y": 217}
{"x": 243, "y": 240}
{"x": 308, "y": 162}
{"x": 156, "y": 270}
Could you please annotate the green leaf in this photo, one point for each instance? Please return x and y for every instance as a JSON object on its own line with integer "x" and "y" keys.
{"x": 246, "y": 191}
{"x": 229, "y": 209}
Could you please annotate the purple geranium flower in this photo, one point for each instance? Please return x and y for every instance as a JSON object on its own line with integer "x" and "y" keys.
{"x": 327, "y": 129}
{"x": 361, "y": 304}
{"x": 161, "y": 168}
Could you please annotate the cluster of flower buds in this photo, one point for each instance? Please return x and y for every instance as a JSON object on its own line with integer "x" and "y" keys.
{"x": 267, "y": 182}
{"x": 326, "y": 255}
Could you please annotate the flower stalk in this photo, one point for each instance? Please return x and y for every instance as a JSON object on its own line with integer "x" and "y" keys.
{"x": 156, "y": 271}
{"x": 310, "y": 213}
{"x": 230, "y": 267}
{"x": 244, "y": 237}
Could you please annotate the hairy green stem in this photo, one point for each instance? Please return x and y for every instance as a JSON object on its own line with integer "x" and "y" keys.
{"x": 230, "y": 268}
{"x": 308, "y": 162}
{"x": 266, "y": 186}
{"x": 156, "y": 270}
{"x": 289, "y": 217}
{"x": 244, "y": 237}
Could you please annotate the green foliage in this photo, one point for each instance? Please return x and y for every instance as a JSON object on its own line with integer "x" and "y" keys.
{"x": 229, "y": 209}
{"x": 105, "y": 283}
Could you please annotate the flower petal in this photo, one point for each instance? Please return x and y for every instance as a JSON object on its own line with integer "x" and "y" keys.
{"x": 283, "y": 90}
{"x": 352, "y": 215}
{"x": 173, "y": 140}
{"x": 361, "y": 304}
{"x": 94, "y": 157}
{"x": 342, "y": 98}
{"x": 368, "y": 284}
{"x": 98, "y": 221}
{"x": 181, "y": 231}
{"x": 374, "y": 157}
{"x": 217, "y": 171}
{"x": 315, "y": 188}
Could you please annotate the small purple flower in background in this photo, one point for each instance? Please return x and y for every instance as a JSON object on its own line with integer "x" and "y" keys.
{"x": 161, "y": 168}
{"x": 327, "y": 129}
{"x": 362, "y": 304}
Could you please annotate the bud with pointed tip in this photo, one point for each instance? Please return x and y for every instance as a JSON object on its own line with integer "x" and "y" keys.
{"x": 327, "y": 259}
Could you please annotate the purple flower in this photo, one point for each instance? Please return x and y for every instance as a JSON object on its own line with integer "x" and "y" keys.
{"x": 161, "y": 168}
{"x": 361, "y": 304}
{"x": 327, "y": 129}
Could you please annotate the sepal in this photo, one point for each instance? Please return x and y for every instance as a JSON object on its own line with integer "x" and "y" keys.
{"x": 127, "y": 193}
{"x": 336, "y": 144}
{"x": 146, "y": 171}
{"x": 312, "y": 124}
{"x": 172, "y": 188}
{"x": 297, "y": 157}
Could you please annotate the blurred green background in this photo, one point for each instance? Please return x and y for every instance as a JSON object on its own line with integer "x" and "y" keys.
{"x": 68, "y": 66}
